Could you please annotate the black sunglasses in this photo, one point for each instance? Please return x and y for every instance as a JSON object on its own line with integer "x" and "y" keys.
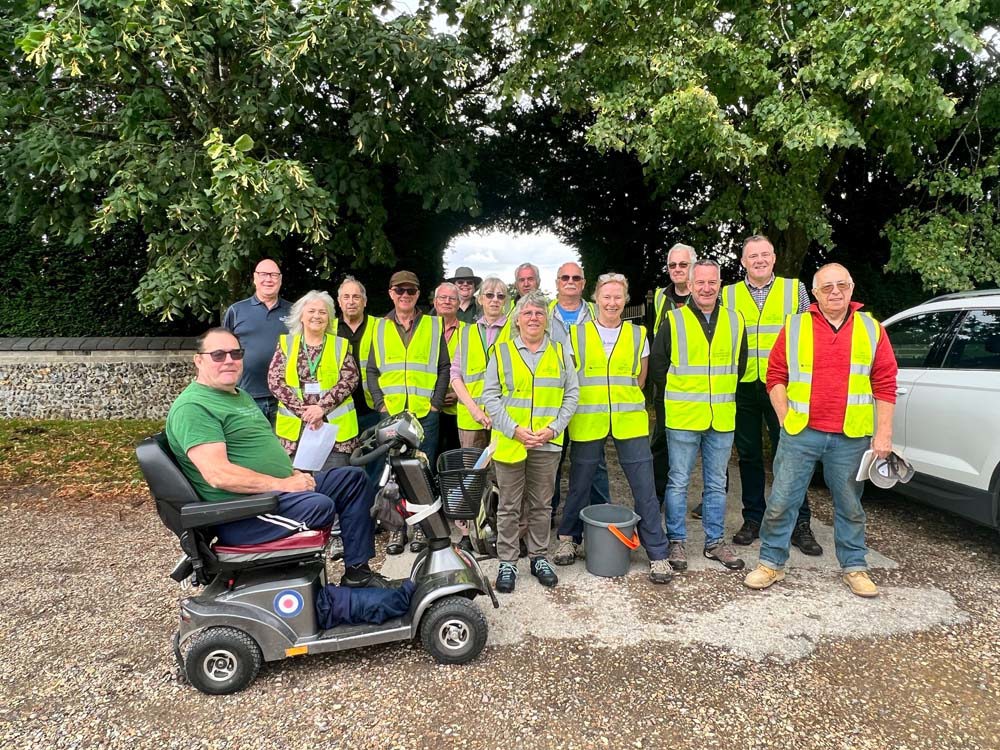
{"x": 405, "y": 290}
{"x": 567, "y": 277}
{"x": 219, "y": 355}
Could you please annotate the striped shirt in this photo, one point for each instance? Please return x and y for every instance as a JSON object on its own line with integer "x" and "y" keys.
{"x": 760, "y": 293}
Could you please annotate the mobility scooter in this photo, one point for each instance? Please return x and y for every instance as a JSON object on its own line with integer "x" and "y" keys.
{"x": 256, "y": 603}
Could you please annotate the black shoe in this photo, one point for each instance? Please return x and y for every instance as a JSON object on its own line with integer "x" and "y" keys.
{"x": 397, "y": 541}
{"x": 522, "y": 549}
{"x": 419, "y": 541}
{"x": 506, "y": 578}
{"x": 541, "y": 570}
{"x": 696, "y": 511}
{"x": 465, "y": 544}
{"x": 365, "y": 579}
{"x": 803, "y": 538}
{"x": 749, "y": 531}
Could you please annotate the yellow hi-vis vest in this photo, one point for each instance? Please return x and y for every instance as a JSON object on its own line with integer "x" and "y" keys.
{"x": 364, "y": 349}
{"x": 660, "y": 301}
{"x": 452, "y": 345}
{"x": 335, "y": 349}
{"x": 475, "y": 355}
{"x": 408, "y": 374}
{"x": 701, "y": 382}
{"x": 610, "y": 397}
{"x": 763, "y": 324}
{"x": 531, "y": 399}
{"x": 859, "y": 416}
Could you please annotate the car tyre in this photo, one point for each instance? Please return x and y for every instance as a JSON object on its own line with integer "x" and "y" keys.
{"x": 454, "y": 630}
{"x": 221, "y": 661}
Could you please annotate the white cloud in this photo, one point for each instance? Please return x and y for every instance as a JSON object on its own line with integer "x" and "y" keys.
{"x": 499, "y": 253}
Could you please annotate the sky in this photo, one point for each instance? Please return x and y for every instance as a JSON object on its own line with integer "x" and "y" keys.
{"x": 499, "y": 253}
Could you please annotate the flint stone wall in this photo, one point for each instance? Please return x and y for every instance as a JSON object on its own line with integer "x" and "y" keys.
{"x": 92, "y": 378}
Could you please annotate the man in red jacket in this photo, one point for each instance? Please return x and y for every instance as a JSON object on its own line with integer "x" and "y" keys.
{"x": 832, "y": 381}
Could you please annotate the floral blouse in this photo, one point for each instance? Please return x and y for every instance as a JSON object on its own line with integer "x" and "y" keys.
{"x": 341, "y": 392}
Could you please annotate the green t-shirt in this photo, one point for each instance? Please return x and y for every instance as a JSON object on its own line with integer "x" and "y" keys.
{"x": 203, "y": 415}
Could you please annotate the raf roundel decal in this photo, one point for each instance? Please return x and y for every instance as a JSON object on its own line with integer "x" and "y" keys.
{"x": 288, "y": 603}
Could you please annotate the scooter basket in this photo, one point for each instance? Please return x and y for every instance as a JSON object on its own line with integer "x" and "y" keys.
{"x": 461, "y": 486}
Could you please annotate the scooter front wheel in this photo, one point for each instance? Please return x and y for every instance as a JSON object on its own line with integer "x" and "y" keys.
{"x": 221, "y": 661}
{"x": 454, "y": 630}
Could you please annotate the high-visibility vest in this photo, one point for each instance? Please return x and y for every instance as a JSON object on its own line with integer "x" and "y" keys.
{"x": 660, "y": 301}
{"x": 408, "y": 374}
{"x": 610, "y": 397}
{"x": 289, "y": 426}
{"x": 452, "y": 345}
{"x": 701, "y": 382}
{"x": 364, "y": 349}
{"x": 531, "y": 399}
{"x": 764, "y": 323}
{"x": 859, "y": 415}
{"x": 475, "y": 355}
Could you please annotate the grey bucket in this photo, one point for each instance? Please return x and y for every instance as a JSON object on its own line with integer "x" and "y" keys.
{"x": 607, "y": 553}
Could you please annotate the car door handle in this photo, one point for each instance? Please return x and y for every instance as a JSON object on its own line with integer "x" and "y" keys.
{"x": 902, "y": 391}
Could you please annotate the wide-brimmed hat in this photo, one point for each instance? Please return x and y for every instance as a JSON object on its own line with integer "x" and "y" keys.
{"x": 464, "y": 272}
{"x": 885, "y": 472}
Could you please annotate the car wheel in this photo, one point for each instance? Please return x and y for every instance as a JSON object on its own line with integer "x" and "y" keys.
{"x": 454, "y": 630}
{"x": 221, "y": 661}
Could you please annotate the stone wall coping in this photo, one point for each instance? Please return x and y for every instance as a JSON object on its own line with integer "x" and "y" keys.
{"x": 99, "y": 344}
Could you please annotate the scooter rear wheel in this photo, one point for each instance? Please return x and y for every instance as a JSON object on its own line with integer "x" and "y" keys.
{"x": 221, "y": 661}
{"x": 454, "y": 630}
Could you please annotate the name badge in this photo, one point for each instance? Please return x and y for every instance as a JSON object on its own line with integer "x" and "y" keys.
{"x": 312, "y": 389}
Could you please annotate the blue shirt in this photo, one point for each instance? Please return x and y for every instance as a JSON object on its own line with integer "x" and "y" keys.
{"x": 258, "y": 330}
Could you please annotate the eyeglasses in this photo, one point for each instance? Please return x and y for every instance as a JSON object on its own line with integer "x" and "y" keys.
{"x": 494, "y": 295}
{"x": 219, "y": 355}
{"x": 408, "y": 291}
{"x": 840, "y": 286}
{"x": 678, "y": 264}
{"x": 447, "y": 298}
{"x": 268, "y": 274}
{"x": 566, "y": 277}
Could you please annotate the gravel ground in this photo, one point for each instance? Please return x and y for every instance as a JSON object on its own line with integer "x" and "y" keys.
{"x": 85, "y": 659}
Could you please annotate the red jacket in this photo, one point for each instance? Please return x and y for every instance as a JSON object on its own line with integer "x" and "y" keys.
{"x": 831, "y": 370}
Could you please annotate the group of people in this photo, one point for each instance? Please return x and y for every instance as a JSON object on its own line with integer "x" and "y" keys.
{"x": 541, "y": 378}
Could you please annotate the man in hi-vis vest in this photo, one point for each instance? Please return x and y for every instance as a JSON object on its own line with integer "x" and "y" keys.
{"x": 408, "y": 368}
{"x": 764, "y": 300}
{"x": 832, "y": 380}
{"x": 697, "y": 359}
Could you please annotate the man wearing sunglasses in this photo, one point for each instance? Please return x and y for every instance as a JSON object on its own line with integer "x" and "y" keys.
{"x": 258, "y": 320}
{"x": 225, "y": 447}
{"x": 466, "y": 281}
{"x": 408, "y": 367}
{"x": 765, "y": 301}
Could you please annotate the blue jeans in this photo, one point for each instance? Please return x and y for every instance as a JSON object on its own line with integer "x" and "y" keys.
{"x": 637, "y": 463}
{"x": 430, "y": 443}
{"x": 683, "y": 447}
{"x": 793, "y": 468}
{"x": 600, "y": 491}
{"x": 268, "y": 406}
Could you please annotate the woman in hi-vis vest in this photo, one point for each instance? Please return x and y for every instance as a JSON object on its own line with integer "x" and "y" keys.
{"x": 313, "y": 376}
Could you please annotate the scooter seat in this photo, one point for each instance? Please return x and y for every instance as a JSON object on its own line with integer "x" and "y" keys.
{"x": 302, "y": 543}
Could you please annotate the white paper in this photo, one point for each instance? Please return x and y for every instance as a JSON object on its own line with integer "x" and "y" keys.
{"x": 866, "y": 462}
{"x": 484, "y": 460}
{"x": 314, "y": 447}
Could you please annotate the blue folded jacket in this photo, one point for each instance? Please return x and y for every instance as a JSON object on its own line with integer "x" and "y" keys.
{"x": 340, "y": 605}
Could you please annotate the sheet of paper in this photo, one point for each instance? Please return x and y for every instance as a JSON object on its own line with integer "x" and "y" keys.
{"x": 314, "y": 447}
{"x": 866, "y": 462}
{"x": 484, "y": 460}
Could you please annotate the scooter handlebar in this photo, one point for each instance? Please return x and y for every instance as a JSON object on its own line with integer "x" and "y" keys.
{"x": 360, "y": 458}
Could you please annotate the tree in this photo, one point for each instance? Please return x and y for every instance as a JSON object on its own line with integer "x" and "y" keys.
{"x": 227, "y": 130}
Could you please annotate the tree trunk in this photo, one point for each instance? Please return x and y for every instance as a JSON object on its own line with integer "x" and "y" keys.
{"x": 790, "y": 245}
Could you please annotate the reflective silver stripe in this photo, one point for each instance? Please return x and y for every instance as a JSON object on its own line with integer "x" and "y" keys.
{"x": 734, "y": 336}
{"x": 591, "y": 409}
{"x": 861, "y": 369}
{"x": 474, "y": 378}
{"x": 861, "y": 399}
{"x": 548, "y": 382}
{"x": 624, "y": 380}
{"x": 380, "y": 344}
{"x": 345, "y": 408}
{"x": 521, "y": 403}
{"x": 792, "y": 341}
{"x": 627, "y": 407}
{"x": 436, "y": 335}
{"x": 766, "y": 329}
{"x": 723, "y": 398}
{"x": 426, "y": 392}
{"x": 799, "y": 406}
{"x": 682, "y": 344}
{"x": 791, "y": 298}
{"x": 679, "y": 396}
{"x": 717, "y": 370}
{"x": 545, "y": 411}
{"x": 579, "y": 339}
{"x": 507, "y": 370}
{"x": 637, "y": 340}
{"x": 285, "y": 413}
{"x": 689, "y": 369}
{"x": 394, "y": 390}
{"x": 392, "y": 368}
{"x": 591, "y": 380}
{"x": 803, "y": 377}
{"x": 871, "y": 328}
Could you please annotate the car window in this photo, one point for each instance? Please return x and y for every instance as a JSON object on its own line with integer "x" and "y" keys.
{"x": 977, "y": 343}
{"x": 914, "y": 339}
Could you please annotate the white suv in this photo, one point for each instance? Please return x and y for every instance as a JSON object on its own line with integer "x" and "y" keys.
{"x": 947, "y": 419}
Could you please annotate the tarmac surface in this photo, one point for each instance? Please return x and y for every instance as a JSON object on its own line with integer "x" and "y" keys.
{"x": 702, "y": 662}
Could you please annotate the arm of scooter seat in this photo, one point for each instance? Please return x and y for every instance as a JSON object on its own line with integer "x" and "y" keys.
{"x": 198, "y": 515}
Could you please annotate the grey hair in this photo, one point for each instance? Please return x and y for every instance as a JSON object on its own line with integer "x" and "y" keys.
{"x": 534, "y": 298}
{"x": 532, "y": 266}
{"x": 490, "y": 284}
{"x": 611, "y": 278}
{"x": 831, "y": 265}
{"x": 294, "y": 319}
{"x": 692, "y": 255}
{"x": 351, "y": 280}
{"x": 701, "y": 263}
{"x": 756, "y": 238}
{"x": 446, "y": 284}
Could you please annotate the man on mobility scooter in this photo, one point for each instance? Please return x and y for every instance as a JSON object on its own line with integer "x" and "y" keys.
{"x": 225, "y": 447}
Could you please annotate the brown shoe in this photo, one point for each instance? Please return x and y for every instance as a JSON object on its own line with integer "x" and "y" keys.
{"x": 762, "y": 576}
{"x": 724, "y": 554}
{"x": 861, "y": 584}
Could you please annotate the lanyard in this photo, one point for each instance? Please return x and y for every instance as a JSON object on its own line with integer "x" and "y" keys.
{"x": 314, "y": 363}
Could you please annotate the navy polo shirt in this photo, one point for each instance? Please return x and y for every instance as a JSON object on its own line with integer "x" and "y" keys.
{"x": 258, "y": 330}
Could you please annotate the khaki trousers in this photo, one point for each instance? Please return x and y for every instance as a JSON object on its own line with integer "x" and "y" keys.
{"x": 525, "y": 488}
